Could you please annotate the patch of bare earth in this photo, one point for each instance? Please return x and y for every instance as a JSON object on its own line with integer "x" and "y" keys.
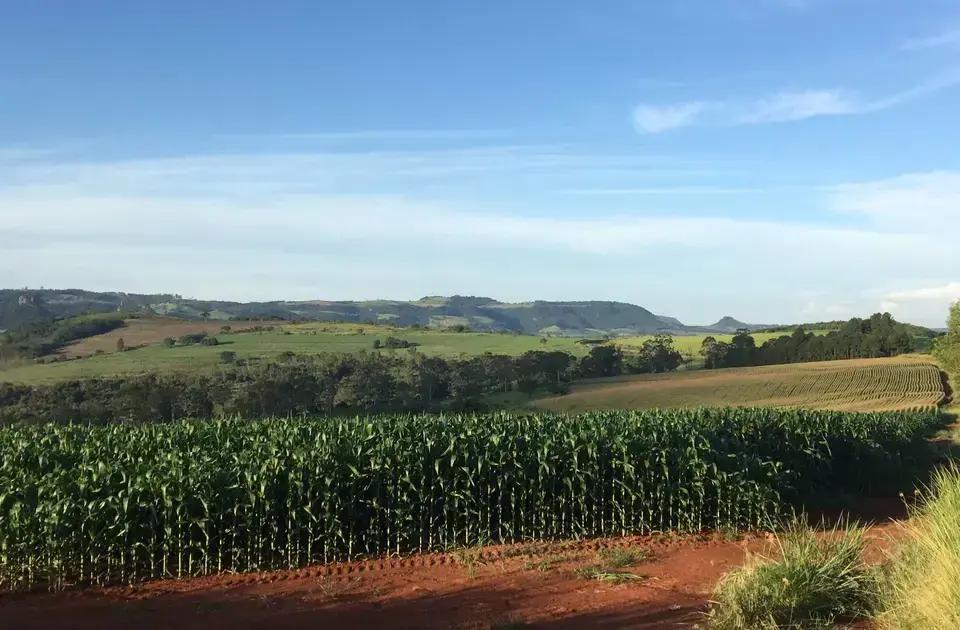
{"x": 537, "y": 585}
{"x": 152, "y": 330}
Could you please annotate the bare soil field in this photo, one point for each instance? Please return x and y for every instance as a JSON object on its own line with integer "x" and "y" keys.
{"x": 886, "y": 384}
{"x": 536, "y": 585}
{"x": 151, "y": 330}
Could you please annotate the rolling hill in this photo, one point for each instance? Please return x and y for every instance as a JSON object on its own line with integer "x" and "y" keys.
{"x": 578, "y": 319}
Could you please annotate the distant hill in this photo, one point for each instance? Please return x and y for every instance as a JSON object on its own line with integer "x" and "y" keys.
{"x": 587, "y": 318}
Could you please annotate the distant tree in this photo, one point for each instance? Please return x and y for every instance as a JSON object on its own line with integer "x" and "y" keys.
{"x": 528, "y": 386}
{"x": 656, "y": 355}
{"x": 228, "y": 356}
{"x": 226, "y": 329}
{"x": 377, "y": 344}
{"x": 210, "y": 341}
{"x": 602, "y": 360}
{"x": 121, "y": 346}
{"x": 168, "y": 342}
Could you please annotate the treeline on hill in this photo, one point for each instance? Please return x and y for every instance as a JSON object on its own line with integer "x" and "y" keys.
{"x": 947, "y": 347}
{"x": 321, "y": 384}
{"x": 42, "y": 337}
{"x": 878, "y": 336}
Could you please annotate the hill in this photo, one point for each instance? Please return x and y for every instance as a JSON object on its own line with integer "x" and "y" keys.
{"x": 575, "y": 319}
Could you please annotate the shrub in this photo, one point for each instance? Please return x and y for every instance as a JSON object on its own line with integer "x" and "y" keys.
{"x": 923, "y": 588}
{"x": 210, "y": 341}
{"x": 814, "y": 583}
{"x": 169, "y": 342}
{"x": 228, "y": 356}
{"x": 191, "y": 339}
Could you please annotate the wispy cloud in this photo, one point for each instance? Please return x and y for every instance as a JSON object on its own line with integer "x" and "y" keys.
{"x": 940, "y": 40}
{"x": 787, "y": 106}
{"x": 290, "y": 225}
{"x": 784, "y": 106}
{"x": 946, "y": 292}
{"x": 656, "y": 119}
{"x": 910, "y": 201}
{"x": 377, "y": 135}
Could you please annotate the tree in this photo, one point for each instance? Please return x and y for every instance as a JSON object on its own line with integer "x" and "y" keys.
{"x": 947, "y": 347}
{"x": 602, "y": 360}
{"x": 120, "y": 345}
{"x": 377, "y": 344}
{"x": 656, "y": 355}
{"x": 714, "y": 353}
{"x": 228, "y": 356}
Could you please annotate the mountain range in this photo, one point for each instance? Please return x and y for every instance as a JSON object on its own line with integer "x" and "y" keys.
{"x": 587, "y": 318}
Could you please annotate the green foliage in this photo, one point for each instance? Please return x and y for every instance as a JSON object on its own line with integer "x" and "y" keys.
{"x": 815, "y": 581}
{"x": 923, "y": 585}
{"x": 656, "y": 356}
{"x": 42, "y": 337}
{"x": 191, "y": 338}
{"x": 947, "y": 347}
{"x": 128, "y": 502}
{"x": 878, "y": 336}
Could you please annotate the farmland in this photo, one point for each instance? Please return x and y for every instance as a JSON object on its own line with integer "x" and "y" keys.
{"x": 145, "y": 352}
{"x": 853, "y": 385}
{"x": 124, "y": 503}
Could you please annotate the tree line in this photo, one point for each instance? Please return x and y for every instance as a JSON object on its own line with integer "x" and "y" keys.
{"x": 878, "y": 336}
{"x": 297, "y": 385}
{"x": 947, "y": 347}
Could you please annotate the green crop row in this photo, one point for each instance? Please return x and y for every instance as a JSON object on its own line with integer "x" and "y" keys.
{"x": 123, "y": 503}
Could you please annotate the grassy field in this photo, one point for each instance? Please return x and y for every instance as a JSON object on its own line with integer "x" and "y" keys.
{"x": 855, "y": 385}
{"x": 143, "y": 339}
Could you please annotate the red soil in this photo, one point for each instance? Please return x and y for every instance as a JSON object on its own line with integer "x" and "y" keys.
{"x": 530, "y": 586}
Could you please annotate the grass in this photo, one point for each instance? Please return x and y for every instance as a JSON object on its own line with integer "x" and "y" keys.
{"x": 611, "y": 564}
{"x": 854, "y": 385}
{"x": 814, "y": 582}
{"x": 311, "y": 338}
{"x": 145, "y": 353}
{"x": 923, "y": 587}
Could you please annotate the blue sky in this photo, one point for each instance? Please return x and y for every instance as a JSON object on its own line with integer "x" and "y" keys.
{"x": 777, "y": 160}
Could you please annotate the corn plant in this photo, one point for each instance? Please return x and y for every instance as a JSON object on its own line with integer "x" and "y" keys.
{"x": 123, "y": 503}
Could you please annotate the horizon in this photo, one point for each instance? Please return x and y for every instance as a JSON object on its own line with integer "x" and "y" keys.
{"x": 783, "y": 160}
{"x": 691, "y": 324}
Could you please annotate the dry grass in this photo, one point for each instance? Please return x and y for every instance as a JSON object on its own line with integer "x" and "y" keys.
{"x": 151, "y": 330}
{"x": 854, "y": 385}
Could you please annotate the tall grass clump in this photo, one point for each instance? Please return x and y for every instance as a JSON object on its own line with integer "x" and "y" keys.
{"x": 814, "y": 581}
{"x": 923, "y": 586}
{"x": 124, "y": 502}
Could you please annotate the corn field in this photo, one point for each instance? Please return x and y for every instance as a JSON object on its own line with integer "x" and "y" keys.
{"x": 125, "y": 503}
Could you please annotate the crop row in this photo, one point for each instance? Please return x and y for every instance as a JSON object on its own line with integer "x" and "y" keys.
{"x": 123, "y": 503}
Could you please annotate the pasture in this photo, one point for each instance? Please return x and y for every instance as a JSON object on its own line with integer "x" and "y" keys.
{"x": 854, "y": 385}
{"x": 98, "y": 356}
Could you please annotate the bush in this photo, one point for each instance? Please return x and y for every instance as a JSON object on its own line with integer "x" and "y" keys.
{"x": 923, "y": 587}
{"x": 210, "y": 341}
{"x": 816, "y": 582}
{"x": 228, "y": 356}
{"x": 169, "y": 342}
{"x": 191, "y": 339}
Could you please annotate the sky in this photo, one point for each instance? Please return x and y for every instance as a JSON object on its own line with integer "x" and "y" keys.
{"x": 774, "y": 160}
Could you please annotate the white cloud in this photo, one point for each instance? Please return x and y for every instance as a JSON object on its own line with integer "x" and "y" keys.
{"x": 927, "y": 303}
{"x": 787, "y": 106}
{"x": 949, "y": 292}
{"x": 656, "y": 119}
{"x": 784, "y": 106}
{"x": 377, "y": 135}
{"x": 914, "y": 201}
{"x": 946, "y": 38}
{"x": 284, "y": 226}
